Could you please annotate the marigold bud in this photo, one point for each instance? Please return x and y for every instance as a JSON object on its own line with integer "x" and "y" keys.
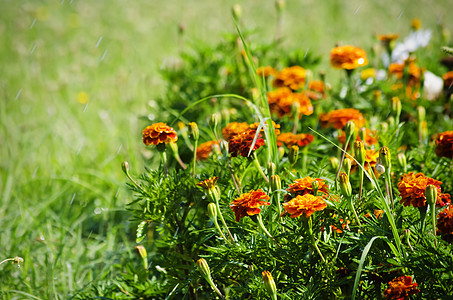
{"x": 345, "y": 185}
{"x": 271, "y": 168}
{"x": 212, "y": 211}
{"x": 193, "y": 130}
{"x": 402, "y": 161}
{"x": 214, "y": 120}
{"x": 347, "y": 164}
{"x": 362, "y": 133}
{"x": 396, "y": 105}
{"x": 125, "y": 167}
{"x": 269, "y": 284}
{"x": 431, "y": 194}
{"x": 237, "y": 12}
{"x": 421, "y": 114}
{"x": 280, "y": 5}
{"x": 334, "y": 163}
{"x": 203, "y": 268}
{"x": 293, "y": 154}
{"x": 141, "y": 251}
{"x": 359, "y": 150}
{"x": 315, "y": 186}
{"x": 276, "y": 183}
{"x": 384, "y": 157}
{"x": 281, "y": 152}
{"x": 349, "y": 129}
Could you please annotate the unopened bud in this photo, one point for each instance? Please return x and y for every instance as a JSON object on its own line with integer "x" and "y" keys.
{"x": 384, "y": 157}
{"x": 362, "y": 134}
{"x": 212, "y": 211}
{"x": 281, "y": 152}
{"x": 347, "y": 165}
{"x": 276, "y": 182}
{"x": 125, "y": 167}
{"x": 203, "y": 268}
{"x": 271, "y": 168}
{"x": 315, "y": 186}
{"x": 193, "y": 130}
{"x": 293, "y": 154}
{"x": 334, "y": 163}
{"x": 431, "y": 194}
{"x": 295, "y": 108}
{"x": 345, "y": 185}
{"x": 396, "y": 106}
{"x": 402, "y": 161}
{"x": 237, "y": 12}
{"x": 141, "y": 252}
{"x": 214, "y": 121}
{"x": 421, "y": 114}
{"x": 269, "y": 284}
{"x": 377, "y": 96}
{"x": 280, "y": 5}
{"x": 359, "y": 150}
{"x": 18, "y": 260}
{"x": 349, "y": 129}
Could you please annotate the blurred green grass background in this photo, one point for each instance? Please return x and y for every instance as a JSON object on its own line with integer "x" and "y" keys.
{"x": 76, "y": 76}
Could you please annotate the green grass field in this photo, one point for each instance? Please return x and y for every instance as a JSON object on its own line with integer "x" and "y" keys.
{"x": 76, "y": 76}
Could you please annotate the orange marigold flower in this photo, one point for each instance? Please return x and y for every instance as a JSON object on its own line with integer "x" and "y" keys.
{"x": 266, "y": 71}
{"x": 159, "y": 133}
{"x": 339, "y": 118}
{"x": 412, "y": 190}
{"x": 292, "y": 77}
{"x": 401, "y": 288}
{"x": 369, "y": 137}
{"x": 413, "y": 70}
{"x": 317, "y": 86}
{"x": 448, "y": 80}
{"x": 305, "y": 186}
{"x": 388, "y": 38}
{"x": 209, "y": 183}
{"x": 240, "y": 144}
{"x": 444, "y": 144}
{"x": 306, "y": 204}
{"x": 281, "y": 101}
{"x": 348, "y": 57}
{"x": 248, "y": 204}
{"x": 205, "y": 149}
{"x": 445, "y": 221}
{"x": 233, "y": 129}
{"x": 290, "y": 139}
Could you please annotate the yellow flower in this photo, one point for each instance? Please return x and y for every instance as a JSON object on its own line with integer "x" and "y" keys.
{"x": 83, "y": 98}
{"x": 368, "y": 73}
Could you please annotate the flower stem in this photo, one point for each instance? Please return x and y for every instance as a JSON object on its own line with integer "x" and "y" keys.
{"x": 219, "y": 212}
{"x": 433, "y": 218}
{"x": 216, "y": 224}
{"x": 351, "y": 205}
{"x": 309, "y": 226}
{"x": 263, "y": 228}
{"x": 258, "y": 167}
{"x": 163, "y": 156}
{"x": 194, "y": 157}
{"x": 342, "y": 159}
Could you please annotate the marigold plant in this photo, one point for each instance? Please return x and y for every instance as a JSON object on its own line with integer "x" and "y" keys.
{"x": 159, "y": 133}
{"x": 248, "y": 204}
{"x": 281, "y": 102}
{"x": 292, "y": 77}
{"x": 444, "y": 144}
{"x": 338, "y": 118}
{"x": 412, "y": 190}
{"x": 304, "y": 186}
{"x": 240, "y": 144}
{"x": 306, "y": 204}
{"x": 401, "y": 288}
{"x": 348, "y": 57}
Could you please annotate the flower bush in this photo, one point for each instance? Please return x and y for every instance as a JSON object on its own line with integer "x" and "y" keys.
{"x": 335, "y": 218}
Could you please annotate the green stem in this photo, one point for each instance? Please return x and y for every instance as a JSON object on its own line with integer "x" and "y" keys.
{"x": 351, "y": 205}
{"x": 194, "y": 157}
{"x": 263, "y": 228}
{"x": 433, "y": 218}
{"x": 163, "y": 156}
{"x": 214, "y": 287}
{"x": 388, "y": 186}
{"x": 222, "y": 219}
{"x": 216, "y": 224}
{"x": 258, "y": 167}
{"x": 341, "y": 161}
{"x": 361, "y": 174}
{"x": 309, "y": 226}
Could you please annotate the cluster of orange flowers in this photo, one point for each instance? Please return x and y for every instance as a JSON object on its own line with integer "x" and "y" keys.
{"x": 306, "y": 204}
{"x": 205, "y": 149}
{"x": 348, "y": 57}
{"x": 401, "y": 288}
{"x": 412, "y": 190}
{"x": 290, "y": 139}
{"x": 248, "y": 204}
{"x": 281, "y": 102}
{"x": 240, "y": 144}
{"x": 292, "y": 77}
{"x": 412, "y": 81}
{"x": 305, "y": 186}
{"x": 444, "y": 144}
{"x": 445, "y": 222}
{"x": 159, "y": 133}
{"x": 233, "y": 129}
{"x": 338, "y": 118}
